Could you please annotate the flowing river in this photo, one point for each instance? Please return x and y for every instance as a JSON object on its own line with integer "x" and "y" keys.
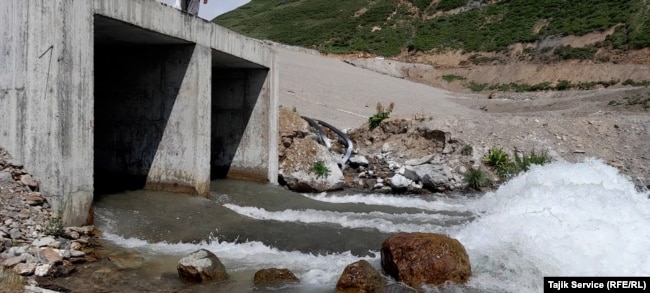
{"x": 562, "y": 219}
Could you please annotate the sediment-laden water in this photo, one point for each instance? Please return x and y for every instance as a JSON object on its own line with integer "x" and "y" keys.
{"x": 561, "y": 219}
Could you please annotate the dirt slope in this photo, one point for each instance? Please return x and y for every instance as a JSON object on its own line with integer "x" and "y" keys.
{"x": 611, "y": 124}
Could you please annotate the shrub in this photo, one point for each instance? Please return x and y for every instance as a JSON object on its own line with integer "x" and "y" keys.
{"x": 320, "y": 169}
{"x": 381, "y": 114}
{"x": 54, "y": 227}
{"x": 475, "y": 178}
{"x": 452, "y": 77}
{"x": 467, "y": 150}
{"x": 476, "y": 87}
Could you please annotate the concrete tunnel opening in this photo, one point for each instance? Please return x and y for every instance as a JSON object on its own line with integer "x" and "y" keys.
{"x": 139, "y": 75}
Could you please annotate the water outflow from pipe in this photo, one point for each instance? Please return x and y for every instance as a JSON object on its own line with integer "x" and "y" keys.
{"x": 561, "y": 219}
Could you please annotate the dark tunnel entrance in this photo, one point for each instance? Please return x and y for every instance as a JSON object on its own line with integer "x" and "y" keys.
{"x": 138, "y": 74}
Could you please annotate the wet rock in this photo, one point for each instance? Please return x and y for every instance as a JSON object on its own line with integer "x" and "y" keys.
{"x": 124, "y": 260}
{"x": 62, "y": 271}
{"x": 274, "y": 277}
{"x": 201, "y": 266}
{"x": 360, "y": 277}
{"x": 425, "y": 258}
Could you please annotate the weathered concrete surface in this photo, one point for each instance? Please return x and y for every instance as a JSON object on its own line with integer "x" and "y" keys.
{"x": 48, "y": 97}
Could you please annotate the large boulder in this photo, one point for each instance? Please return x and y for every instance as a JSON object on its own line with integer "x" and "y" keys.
{"x": 360, "y": 277}
{"x": 299, "y": 152}
{"x": 201, "y": 266}
{"x": 425, "y": 258}
{"x": 274, "y": 277}
{"x": 436, "y": 177}
{"x": 297, "y": 168}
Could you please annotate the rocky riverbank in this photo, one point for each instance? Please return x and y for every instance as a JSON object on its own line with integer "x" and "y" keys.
{"x": 34, "y": 246}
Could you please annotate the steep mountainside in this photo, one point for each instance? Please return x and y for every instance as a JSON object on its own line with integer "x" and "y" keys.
{"x": 470, "y": 43}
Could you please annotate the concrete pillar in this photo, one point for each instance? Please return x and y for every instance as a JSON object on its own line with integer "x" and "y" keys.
{"x": 46, "y": 90}
{"x": 244, "y": 125}
{"x": 182, "y": 160}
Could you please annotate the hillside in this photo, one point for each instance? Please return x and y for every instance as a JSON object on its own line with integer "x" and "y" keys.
{"x": 523, "y": 45}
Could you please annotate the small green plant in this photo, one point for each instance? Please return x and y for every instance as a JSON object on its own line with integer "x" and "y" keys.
{"x": 452, "y": 77}
{"x": 54, "y": 227}
{"x": 475, "y": 178}
{"x": 524, "y": 162}
{"x": 496, "y": 156}
{"x": 320, "y": 169}
{"x": 467, "y": 150}
{"x": 381, "y": 115}
{"x": 477, "y": 87}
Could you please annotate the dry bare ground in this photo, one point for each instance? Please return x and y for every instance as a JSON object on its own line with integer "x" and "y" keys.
{"x": 570, "y": 125}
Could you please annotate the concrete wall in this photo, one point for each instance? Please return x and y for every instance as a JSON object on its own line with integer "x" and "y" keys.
{"x": 48, "y": 96}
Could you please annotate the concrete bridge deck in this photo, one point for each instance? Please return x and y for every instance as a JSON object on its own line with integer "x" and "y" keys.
{"x": 96, "y": 94}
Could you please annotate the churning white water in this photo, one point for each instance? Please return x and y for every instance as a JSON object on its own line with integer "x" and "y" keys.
{"x": 562, "y": 219}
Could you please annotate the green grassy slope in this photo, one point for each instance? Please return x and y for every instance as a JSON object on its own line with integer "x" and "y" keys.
{"x": 386, "y": 27}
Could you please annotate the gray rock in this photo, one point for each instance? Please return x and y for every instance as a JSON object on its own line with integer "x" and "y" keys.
{"x": 5, "y": 176}
{"x": 15, "y": 233}
{"x": 45, "y": 241}
{"x": 14, "y": 260}
{"x": 400, "y": 182}
{"x": 359, "y": 160}
{"x": 42, "y": 270}
{"x": 76, "y": 253}
{"x": 434, "y": 177}
{"x": 386, "y": 148}
{"x": 409, "y": 172}
{"x": 201, "y": 266}
{"x": 419, "y": 161}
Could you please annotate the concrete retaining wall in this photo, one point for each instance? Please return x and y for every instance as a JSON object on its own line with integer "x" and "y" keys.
{"x": 156, "y": 111}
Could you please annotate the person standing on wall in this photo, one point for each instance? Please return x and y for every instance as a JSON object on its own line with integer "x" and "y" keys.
{"x": 191, "y": 6}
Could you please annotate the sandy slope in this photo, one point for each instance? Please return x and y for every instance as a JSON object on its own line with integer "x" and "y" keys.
{"x": 346, "y": 96}
{"x": 569, "y": 125}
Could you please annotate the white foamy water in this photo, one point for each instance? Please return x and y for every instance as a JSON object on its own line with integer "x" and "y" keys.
{"x": 382, "y": 222}
{"x": 437, "y": 204}
{"x": 313, "y": 270}
{"x": 561, "y": 219}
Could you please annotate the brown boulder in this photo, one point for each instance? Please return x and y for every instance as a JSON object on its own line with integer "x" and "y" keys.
{"x": 274, "y": 277}
{"x": 360, "y": 277}
{"x": 425, "y": 258}
{"x": 201, "y": 266}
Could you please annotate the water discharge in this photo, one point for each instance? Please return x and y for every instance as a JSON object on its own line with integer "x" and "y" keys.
{"x": 561, "y": 219}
